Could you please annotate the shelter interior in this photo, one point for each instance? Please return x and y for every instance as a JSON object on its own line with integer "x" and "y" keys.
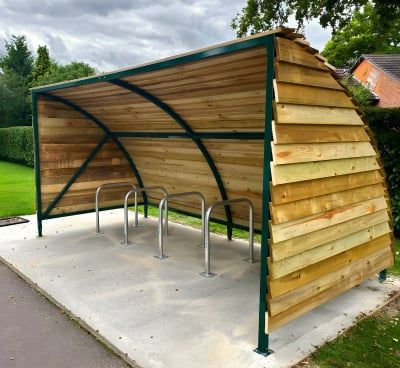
{"x": 263, "y": 118}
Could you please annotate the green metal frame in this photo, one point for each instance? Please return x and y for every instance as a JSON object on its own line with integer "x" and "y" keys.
{"x": 263, "y": 338}
{"x": 266, "y": 41}
{"x": 37, "y": 165}
{"x": 108, "y": 134}
{"x": 192, "y": 135}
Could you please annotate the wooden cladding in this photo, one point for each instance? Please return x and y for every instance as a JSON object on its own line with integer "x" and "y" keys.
{"x": 207, "y": 95}
{"x": 198, "y": 123}
{"x": 329, "y": 220}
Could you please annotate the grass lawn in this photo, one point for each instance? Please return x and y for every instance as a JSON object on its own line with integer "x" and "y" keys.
{"x": 17, "y": 190}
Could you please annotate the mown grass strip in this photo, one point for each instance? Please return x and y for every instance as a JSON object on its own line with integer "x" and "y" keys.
{"x": 17, "y": 190}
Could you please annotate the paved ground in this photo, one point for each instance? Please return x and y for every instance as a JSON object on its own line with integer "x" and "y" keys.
{"x": 161, "y": 313}
{"x": 36, "y": 334}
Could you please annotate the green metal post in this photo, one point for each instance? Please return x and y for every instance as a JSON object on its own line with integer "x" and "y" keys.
{"x": 382, "y": 276}
{"x": 37, "y": 164}
{"x": 263, "y": 338}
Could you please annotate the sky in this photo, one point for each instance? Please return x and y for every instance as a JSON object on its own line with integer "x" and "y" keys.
{"x": 114, "y": 34}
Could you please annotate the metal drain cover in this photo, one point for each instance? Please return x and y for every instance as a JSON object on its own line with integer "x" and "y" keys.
{"x": 6, "y": 221}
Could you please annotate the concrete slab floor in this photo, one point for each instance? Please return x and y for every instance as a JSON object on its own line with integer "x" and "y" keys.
{"x": 162, "y": 313}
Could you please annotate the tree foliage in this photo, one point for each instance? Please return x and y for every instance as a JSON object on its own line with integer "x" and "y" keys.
{"x": 42, "y": 64}
{"x": 59, "y": 73}
{"x": 262, "y": 15}
{"x": 17, "y": 66}
{"x": 20, "y": 71}
{"x": 18, "y": 59}
{"x": 362, "y": 36}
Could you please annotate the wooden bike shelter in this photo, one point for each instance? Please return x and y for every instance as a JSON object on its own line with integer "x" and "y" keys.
{"x": 264, "y": 118}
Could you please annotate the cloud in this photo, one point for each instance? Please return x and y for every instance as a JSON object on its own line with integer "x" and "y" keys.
{"x": 115, "y": 34}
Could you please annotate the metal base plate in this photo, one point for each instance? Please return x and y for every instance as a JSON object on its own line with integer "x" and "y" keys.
{"x": 262, "y": 352}
{"x": 126, "y": 244}
{"x": 251, "y": 260}
{"x": 207, "y": 275}
{"x": 159, "y": 257}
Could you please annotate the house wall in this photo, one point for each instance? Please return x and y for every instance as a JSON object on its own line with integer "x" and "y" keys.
{"x": 380, "y": 83}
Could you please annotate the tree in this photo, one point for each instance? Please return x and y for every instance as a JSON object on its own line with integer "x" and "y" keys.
{"x": 42, "y": 64}
{"x": 60, "y": 73}
{"x": 360, "y": 36}
{"x": 20, "y": 70}
{"x": 15, "y": 106}
{"x": 17, "y": 65}
{"x": 261, "y": 15}
{"x": 18, "y": 59}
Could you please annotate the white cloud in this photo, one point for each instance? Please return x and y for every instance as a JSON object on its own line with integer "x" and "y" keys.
{"x": 121, "y": 33}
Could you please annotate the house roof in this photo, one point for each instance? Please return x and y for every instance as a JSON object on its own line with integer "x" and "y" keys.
{"x": 388, "y": 63}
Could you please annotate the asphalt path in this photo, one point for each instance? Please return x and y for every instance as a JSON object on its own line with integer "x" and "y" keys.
{"x": 34, "y": 333}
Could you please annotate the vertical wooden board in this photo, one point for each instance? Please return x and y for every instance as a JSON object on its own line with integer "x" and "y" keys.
{"x": 366, "y": 268}
{"x": 285, "y": 113}
{"x": 302, "y": 243}
{"x": 323, "y": 220}
{"x": 309, "y": 152}
{"x": 312, "y": 256}
{"x": 282, "y": 174}
{"x": 313, "y": 205}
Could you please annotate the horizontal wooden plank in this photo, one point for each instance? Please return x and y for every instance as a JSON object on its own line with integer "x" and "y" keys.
{"x": 358, "y": 260}
{"x": 300, "y": 74}
{"x": 282, "y": 174}
{"x": 77, "y": 163}
{"x": 241, "y": 59}
{"x": 291, "y": 192}
{"x": 278, "y": 269}
{"x": 301, "y": 133}
{"x": 285, "y": 113}
{"x": 286, "y": 93}
{"x": 313, "y": 205}
{"x": 313, "y": 272}
{"x": 302, "y": 243}
{"x": 322, "y": 220}
{"x": 309, "y": 152}
{"x": 294, "y": 53}
{"x": 358, "y": 273}
{"x": 66, "y": 123}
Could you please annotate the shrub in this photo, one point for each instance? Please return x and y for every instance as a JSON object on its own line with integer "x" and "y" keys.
{"x": 385, "y": 124}
{"x": 16, "y": 145}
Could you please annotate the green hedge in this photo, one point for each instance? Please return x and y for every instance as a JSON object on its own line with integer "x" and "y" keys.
{"x": 16, "y": 145}
{"x": 385, "y": 123}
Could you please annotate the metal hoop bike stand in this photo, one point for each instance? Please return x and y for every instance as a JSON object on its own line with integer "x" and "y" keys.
{"x": 108, "y": 185}
{"x": 138, "y": 190}
{"x": 160, "y": 217}
{"x": 251, "y": 259}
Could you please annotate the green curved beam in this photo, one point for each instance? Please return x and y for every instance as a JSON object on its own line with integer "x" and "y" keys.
{"x": 164, "y": 107}
{"x": 109, "y": 134}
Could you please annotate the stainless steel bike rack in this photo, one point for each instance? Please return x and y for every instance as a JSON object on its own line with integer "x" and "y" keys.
{"x": 160, "y": 216}
{"x": 251, "y": 259}
{"x": 138, "y": 190}
{"x": 109, "y": 185}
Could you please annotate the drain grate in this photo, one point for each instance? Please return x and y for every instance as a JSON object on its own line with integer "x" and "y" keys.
{"x": 12, "y": 221}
